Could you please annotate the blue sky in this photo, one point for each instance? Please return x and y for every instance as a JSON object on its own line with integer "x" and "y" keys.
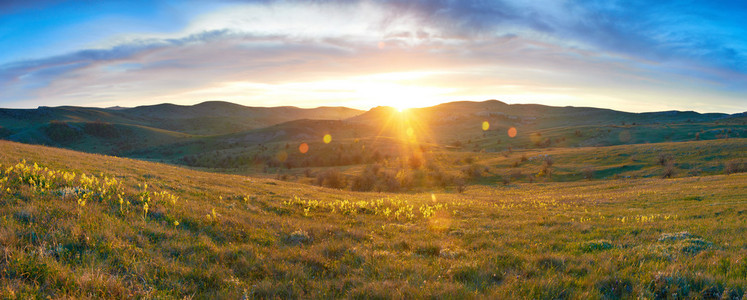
{"x": 625, "y": 55}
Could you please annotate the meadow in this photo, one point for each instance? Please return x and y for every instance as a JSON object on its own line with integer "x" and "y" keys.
{"x": 93, "y": 226}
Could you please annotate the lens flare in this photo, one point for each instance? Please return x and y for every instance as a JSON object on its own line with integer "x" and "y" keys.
{"x": 303, "y": 148}
{"x": 327, "y": 138}
{"x": 512, "y": 132}
{"x": 485, "y": 126}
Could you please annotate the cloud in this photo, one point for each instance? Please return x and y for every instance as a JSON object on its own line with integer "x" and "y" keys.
{"x": 306, "y": 53}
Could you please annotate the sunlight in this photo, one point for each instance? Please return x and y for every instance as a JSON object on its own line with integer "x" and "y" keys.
{"x": 389, "y": 91}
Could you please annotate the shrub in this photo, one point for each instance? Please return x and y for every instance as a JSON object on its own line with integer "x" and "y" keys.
{"x": 387, "y": 182}
{"x": 588, "y": 173}
{"x": 506, "y": 180}
{"x": 364, "y": 182}
{"x": 545, "y": 171}
{"x": 473, "y": 171}
{"x": 663, "y": 158}
{"x": 460, "y": 184}
{"x": 668, "y": 170}
{"x": 61, "y": 132}
{"x": 548, "y": 161}
{"x": 735, "y": 166}
{"x": 415, "y": 162}
{"x": 100, "y": 129}
{"x": 332, "y": 179}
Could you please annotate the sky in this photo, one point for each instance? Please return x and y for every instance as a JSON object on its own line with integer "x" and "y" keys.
{"x": 626, "y": 55}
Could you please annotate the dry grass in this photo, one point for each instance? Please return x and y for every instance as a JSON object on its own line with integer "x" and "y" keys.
{"x": 260, "y": 238}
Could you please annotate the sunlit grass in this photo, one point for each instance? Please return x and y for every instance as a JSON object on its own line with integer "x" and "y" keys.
{"x": 207, "y": 235}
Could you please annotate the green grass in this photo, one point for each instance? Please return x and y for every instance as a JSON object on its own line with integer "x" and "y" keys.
{"x": 260, "y": 238}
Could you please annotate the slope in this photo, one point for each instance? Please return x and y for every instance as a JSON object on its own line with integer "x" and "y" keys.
{"x": 179, "y": 233}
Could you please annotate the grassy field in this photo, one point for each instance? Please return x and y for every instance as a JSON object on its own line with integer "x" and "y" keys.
{"x": 84, "y": 225}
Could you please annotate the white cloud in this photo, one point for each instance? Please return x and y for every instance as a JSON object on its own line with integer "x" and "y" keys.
{"x": 361, "y": 54}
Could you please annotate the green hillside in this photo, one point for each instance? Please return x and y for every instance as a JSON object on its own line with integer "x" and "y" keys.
{"x": 227, "y": 137}
{"x": 204, "y": 119}
{"x": 178, "y": 233}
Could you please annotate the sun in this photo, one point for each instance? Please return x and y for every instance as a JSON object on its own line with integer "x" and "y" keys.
{"x": 401, "y": 108}
{"x": 398, "y": 95}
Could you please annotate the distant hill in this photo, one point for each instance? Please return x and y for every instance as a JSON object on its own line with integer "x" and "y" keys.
{"x": 223, "y": 134}
{"x": 207, "y": 118}
{"x": 146, "y": 126}
{"x": 216, "y": 117}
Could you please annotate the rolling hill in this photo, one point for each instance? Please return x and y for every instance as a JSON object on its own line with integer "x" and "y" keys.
{"x": 86, "y": 225}
{"x": 226, "y": 137}
{"x": 207, "y": 118}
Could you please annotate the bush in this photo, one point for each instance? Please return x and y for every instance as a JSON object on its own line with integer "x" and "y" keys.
{"x": 100, "y": 129}
{"x": 473, "y": 171}
{"x": 545, "y": 171}
{"x": 332, "y": 179}
{"x": 387, "y": 182}
{"x": 460, "y": 184}
{"x": 415, "y": 162}
{"x": 735, "y": 166}
{"x": 364, "y": 182}
{"x": 668, "y": 170}
{"x": 663, "y": 158}
{"x": 61, "y": 132}
{"x": 548, "y": 161}
{"x": 588, "y": 173}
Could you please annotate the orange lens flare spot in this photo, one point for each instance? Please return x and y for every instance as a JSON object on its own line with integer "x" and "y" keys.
{"x": 512, "y": 132}
{"x": 327, "y": 138}
{"x": 485, "y": 126}
{"x": 303, "y": 148}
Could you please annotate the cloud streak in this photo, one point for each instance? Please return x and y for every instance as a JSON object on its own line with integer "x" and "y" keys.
{"x": 330, "y": 52}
